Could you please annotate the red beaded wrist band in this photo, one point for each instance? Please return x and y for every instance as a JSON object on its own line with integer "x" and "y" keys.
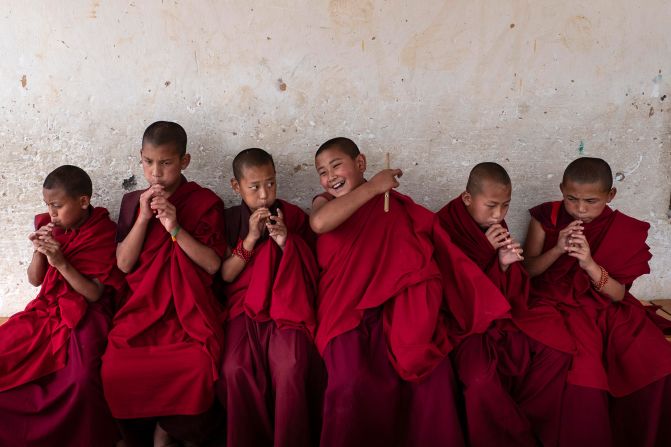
{"x": 242, "y": 253}
{"x": 603, "y": 279}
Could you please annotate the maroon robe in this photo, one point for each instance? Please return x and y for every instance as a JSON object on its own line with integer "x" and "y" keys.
{"x": 394, "y": 297}
{"x": 271, "y": 370}
{"x": 616, "y": 347}
{"x": 165, "y": 345}
{"x": 50, "y": 352}
{"x": 512, "y": 384}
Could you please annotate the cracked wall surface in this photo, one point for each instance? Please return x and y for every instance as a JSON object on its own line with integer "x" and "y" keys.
{"x": 441, "y": 85}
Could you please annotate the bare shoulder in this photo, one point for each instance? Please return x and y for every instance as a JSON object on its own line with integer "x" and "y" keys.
{"x": 533, "y": 244}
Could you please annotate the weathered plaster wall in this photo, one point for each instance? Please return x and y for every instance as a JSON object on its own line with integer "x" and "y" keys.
{"x": 439, "y": 84}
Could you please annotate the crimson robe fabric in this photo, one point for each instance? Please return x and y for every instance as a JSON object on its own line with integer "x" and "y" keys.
{"x": 512, "y": 384}
{"x": 377, "y": 258}
{"x": 34, "y": 343}
{"x": 272, "y": 376}
{"x": 50, "y": 352}
{"x": 278, "y": 285}
{"x": 395, "y": 295}
{"x": 615, "y": 346}
{"x": 165, "y": 345}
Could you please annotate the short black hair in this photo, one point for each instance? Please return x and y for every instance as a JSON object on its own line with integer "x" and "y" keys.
{"x": 589, "y": 170}
{"x": 251, "y": 157}
{"x": 166, "y": 133}
{"x": 346, "y": 145}
{"x": 486, "y": 171}
{"x": 72, "y": 179}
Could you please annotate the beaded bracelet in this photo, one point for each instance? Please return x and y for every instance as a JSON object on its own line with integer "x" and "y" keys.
{"x": 242, "y": 253}
{"x": 603, "y": 279}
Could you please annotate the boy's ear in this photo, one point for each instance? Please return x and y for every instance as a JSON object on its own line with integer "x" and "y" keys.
{"x": 467, "y": 198}
{"x": 184, "y": 162}
{"x": 235, "y": 185}
{"x": 84, "y": 202}
{"x": 611, "y": 194}
{"x": 360, "y": 161}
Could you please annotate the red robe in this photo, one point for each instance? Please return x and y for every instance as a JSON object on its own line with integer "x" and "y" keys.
{"x": 395, "y": 295}
{"x": 50, "y": 352}
{"x": 512, "y": 384}
{"x": 165, "y": 345}
{"x": 375, "y": 258}
{"x": 271, "y": 369}
{"x": 616, "y": 347}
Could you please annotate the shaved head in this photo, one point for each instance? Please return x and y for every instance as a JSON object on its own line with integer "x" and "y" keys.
{"x": 72, "y": 179}
{"x": 251, "y": 157}
{"x": 589, "y": 170}
{"x": 482, "y": 172}
{"x": 345, "y": 145}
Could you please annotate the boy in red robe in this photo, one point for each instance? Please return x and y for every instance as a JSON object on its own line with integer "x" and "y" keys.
{"x": 583, "y": 258}
{"x": 269, "y": 359}
{"x": 512, "y": 384}
{"x": 50, "y": 390}
{"x": 165, "y": 345}
{"x": 394, "y": 296}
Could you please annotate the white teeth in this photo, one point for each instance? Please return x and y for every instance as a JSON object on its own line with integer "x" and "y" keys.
{"x": 337, "y": 185}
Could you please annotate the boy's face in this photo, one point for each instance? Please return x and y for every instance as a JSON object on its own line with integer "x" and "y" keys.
{"x": 162, "y": 165}
{"x": 257, "y": 186}
{"x": 490, "y": 205}
{"x": 585, "y": 201}
{"x": 65, "y": 211}
{"x": 338, "y": 172}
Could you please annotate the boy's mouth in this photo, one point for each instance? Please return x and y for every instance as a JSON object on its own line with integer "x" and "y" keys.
{"x": 337, "y": 185}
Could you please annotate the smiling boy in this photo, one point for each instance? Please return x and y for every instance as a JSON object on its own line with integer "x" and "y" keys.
{"x": 384, "y": 329}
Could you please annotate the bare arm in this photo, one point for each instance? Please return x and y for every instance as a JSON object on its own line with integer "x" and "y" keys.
{"x": 38, "y": 263}
{"x": 204, "y": 256}
{"x": 536, "y": 262}
{"x": 328, "y": 215}
{"x": 37, "y": 268}
{"x": 578, "y": 248}
{"x": 258, "y": 221}
{"x": 128, "y": 251}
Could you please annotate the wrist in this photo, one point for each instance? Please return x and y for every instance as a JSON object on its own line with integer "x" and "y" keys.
{"x": 174, "y": 232}
{"x": 249, "y": 242}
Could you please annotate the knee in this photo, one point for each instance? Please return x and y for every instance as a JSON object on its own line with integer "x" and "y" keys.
{"x": 235, "y": 371}
{"x": 289, "y": 371}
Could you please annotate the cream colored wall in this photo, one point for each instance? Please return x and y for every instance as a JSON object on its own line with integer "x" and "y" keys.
{"x": 440, "y": 85}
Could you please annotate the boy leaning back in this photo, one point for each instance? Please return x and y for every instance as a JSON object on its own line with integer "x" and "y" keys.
{"x": 392, "y": 289}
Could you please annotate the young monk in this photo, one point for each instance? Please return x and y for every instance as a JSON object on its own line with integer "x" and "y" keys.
{"x": 50, "y": 390}
{"x": 165, "y": 345}
{"x": 584, "y": 258}
{"x": 512, "y": 384}
{"x": 271, "y": 279}
{"x": 383, "y": 322}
